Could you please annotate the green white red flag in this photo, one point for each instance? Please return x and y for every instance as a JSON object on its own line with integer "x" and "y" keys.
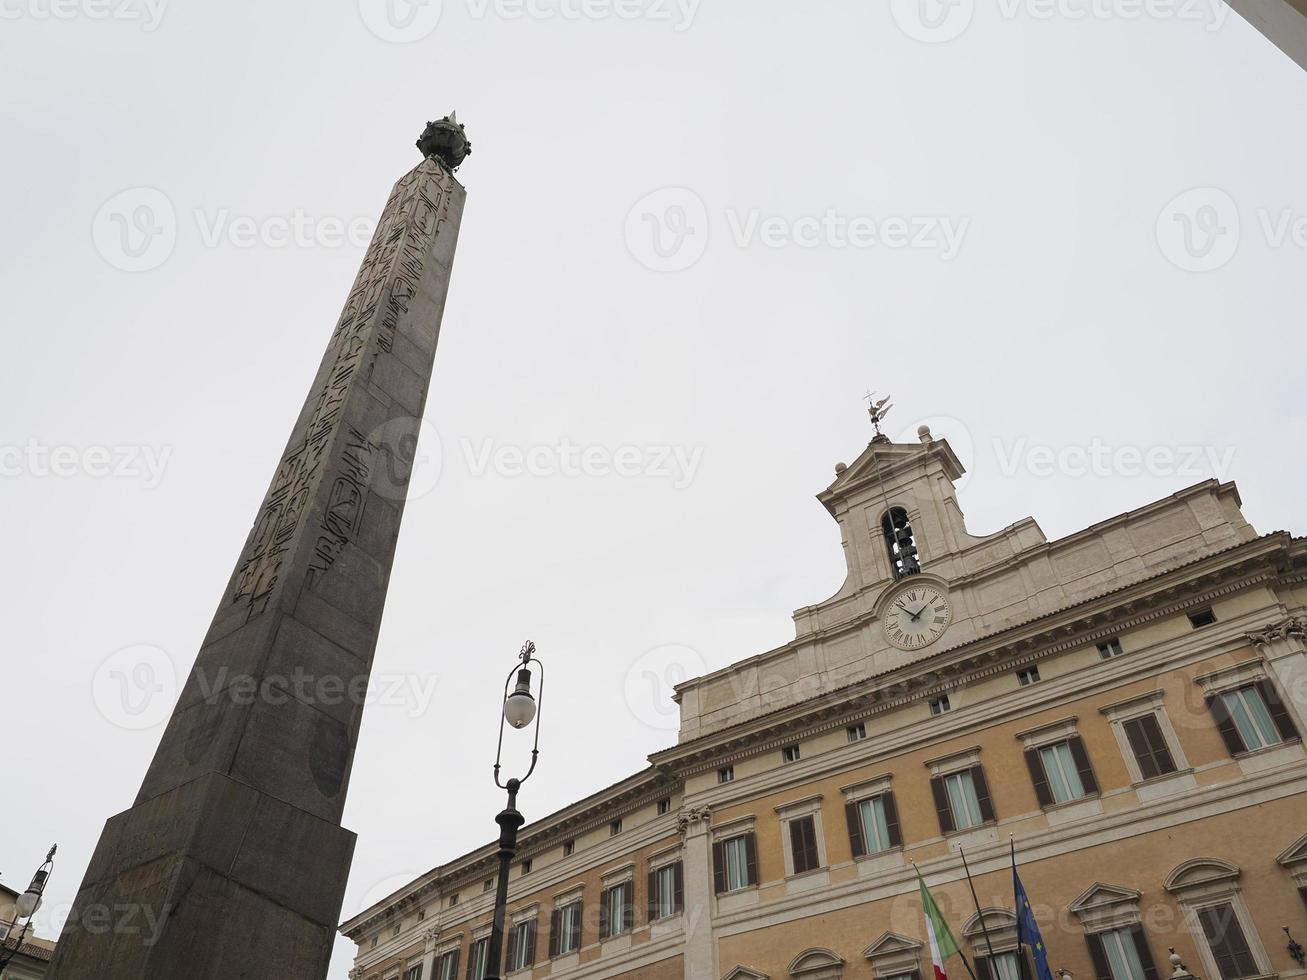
{"x": 942, "y": 943}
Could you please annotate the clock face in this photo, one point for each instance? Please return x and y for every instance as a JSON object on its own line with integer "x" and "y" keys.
{"x": 917, "y": 616}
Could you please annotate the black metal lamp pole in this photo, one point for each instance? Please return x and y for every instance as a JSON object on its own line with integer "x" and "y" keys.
{"x": 520, "y": 708}
{"x": 25, "y": 907}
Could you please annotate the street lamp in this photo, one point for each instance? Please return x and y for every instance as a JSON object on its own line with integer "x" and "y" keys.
{"x": 521, "y": 707}
{"x": 25, "y": 907}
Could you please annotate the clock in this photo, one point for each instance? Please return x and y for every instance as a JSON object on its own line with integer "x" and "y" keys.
{"x": 917, "y": 616}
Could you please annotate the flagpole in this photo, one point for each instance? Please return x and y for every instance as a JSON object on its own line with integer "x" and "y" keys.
{"x": 961, "y": 955}
{"x": 979, "y": 915}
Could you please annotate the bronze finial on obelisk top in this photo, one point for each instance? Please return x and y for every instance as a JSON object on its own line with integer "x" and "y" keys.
{"x": 446, "y": 141}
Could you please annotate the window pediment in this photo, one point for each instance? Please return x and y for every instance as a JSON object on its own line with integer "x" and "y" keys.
{"x": 1295, "y": 854}
{"x": 1101, "y": 907}
{"x": 1203, "y": 874}
{"x": 817, "y": 964}
{"x": 891, "y": 942}
{"x": 744, "y": 973}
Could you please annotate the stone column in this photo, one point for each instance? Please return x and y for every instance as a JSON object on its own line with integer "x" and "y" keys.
{"x": 696, "y": 854}
{"x": 430, "y": 938}
{"x": 232, "y": 862}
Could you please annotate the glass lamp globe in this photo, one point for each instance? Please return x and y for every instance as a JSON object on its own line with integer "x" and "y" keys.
{"x": 27, "y": 904}
{"x": 519, "y": 709}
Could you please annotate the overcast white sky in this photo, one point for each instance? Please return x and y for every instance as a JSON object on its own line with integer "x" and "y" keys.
{"x": 1060, "y": 239}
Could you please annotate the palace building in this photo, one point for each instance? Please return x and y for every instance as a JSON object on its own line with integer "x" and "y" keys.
{"x": 1124, "y": 704}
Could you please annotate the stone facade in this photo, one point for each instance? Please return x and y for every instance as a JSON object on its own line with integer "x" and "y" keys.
{"x": 1077, "y": 697}
{"x": 1283, "y": 21}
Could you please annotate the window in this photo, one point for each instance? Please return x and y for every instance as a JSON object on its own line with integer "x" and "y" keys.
{"x": 1225, "y": 938}
{"x": 488, "y": 885}
{"x": 453, "y": 900}
{"x": 447, "y": 966}
{"x": 395, "y": 931}
{"x": 4, "y": 933}
{"x": 735, "y": 863}
{"x": 565, "y": 929}
{"x": 1122, "y": 954}
{"x": 372, "y": 945}
{"x": 1000, "y": 966}
{"x": 413, "y": 972}
{"x": 857, "y": 732}
{"x": 1028, "y": 676}
{"x": 1201, "y": 618}
{"x": 900, "y": 542}
{"x": 1148, "y": 745}
{"x": 1061, "y": 772}
{"x": 940, "y": 705}
{"x": 873, "y": 825}
{"x": 803, "y": 845}
{"x": 666, "y": 891}
{"x": 1252, "y": 717}
{"x": 962, "y": 799}
{"x": 615, "y": 828}
{"x": 1109, "y": 649}
{"x": 569, "y": 847}
{"x": 726, "y": 774}
{"x": 521, "y": 945}
{"x": 616, "y": 910}
{"x": 526, "y": 866}
{"x": 478, "y": 959}
{"x": 422, "y": 914}
{"x": 664, "y": 806}
{"x": 790, "y": 753}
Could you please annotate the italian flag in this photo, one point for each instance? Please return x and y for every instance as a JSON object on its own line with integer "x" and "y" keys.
{"x": 942, "y": 943}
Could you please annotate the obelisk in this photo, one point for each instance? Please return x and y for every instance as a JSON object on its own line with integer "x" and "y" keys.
{"x": 232, "y": 863}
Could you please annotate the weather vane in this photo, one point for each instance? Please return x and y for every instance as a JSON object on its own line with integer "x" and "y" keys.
{"x": 878, "y": 409}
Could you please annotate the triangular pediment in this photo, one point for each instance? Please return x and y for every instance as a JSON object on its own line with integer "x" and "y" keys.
{"x": 883, "y": 457}
{"x": 744, "y": 973}
{"x": 1099, "y": 895}
{"x": 1295, "y": 853}
{"x": 891, "y": 942}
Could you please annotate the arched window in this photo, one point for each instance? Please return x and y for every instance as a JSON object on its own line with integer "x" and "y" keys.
{"x": 902, "y": 545}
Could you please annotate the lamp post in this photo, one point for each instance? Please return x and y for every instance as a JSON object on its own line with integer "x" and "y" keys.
{"x": 520, "y": 708}
{"x": 25, "y": 907}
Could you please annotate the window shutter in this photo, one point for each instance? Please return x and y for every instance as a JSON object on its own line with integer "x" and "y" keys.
{"x": 576, "y": 926}
{"x": 472, "y": 962}
{"x": 799, "y": 844}
{"x": 628, "y": 906}
{"x": 982, "y": 793}
{"x": 555, "y": 923}
{"x": 719, "y": 867}
{"x": 652, "y": 896}
{"x": 1279, "y": 713}
{"x": 678, "y": 887}
{"x": 531, "y": 943}
{"x": 1225, "y": 724}
{"x": 1145, "y": 954}
{"x": 1226, "y": 939}
{"x": 1037, "y": 776}
{"x": 983, "y": 972}
{"x": 856, "y": 841}
{"x": 941, "y": 804}
{"x": 1149, "y": 746}
{"x": 751, "y": 857}
{"x": 510, "y": 955}
{"x": 892, "y": 820}
{"x": 603, "y": 913}
{"x": 1102, "y": 969}
{"x": 453, "y": 963}
{"x": 1081, "y": 758}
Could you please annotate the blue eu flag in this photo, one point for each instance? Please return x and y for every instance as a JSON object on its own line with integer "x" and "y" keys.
{"x": 1027, "y": 928}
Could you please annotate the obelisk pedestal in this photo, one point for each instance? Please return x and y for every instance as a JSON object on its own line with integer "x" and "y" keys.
{"x": 232, "y": 863}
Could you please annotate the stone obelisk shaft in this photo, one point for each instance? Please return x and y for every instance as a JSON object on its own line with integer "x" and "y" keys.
{"x": 232, "y": 862}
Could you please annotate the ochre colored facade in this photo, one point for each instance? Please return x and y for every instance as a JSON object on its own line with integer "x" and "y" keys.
{"x": 1123, "y": 706}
